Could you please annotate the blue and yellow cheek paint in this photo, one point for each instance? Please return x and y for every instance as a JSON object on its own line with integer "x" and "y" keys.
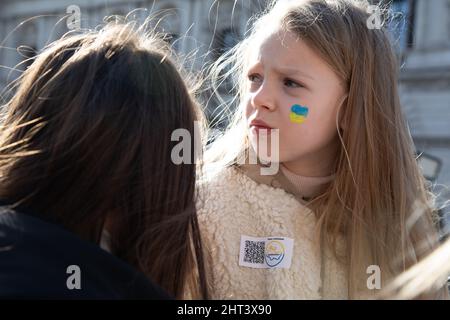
{"x": 298, "y": 113}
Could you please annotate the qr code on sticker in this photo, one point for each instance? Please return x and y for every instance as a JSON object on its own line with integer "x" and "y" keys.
{"x": 254, "y": 251}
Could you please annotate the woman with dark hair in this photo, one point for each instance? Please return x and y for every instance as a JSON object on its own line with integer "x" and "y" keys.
{"x": 85, "y": 156}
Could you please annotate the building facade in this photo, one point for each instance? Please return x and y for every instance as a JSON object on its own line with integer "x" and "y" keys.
{"x": 425, "y": 90}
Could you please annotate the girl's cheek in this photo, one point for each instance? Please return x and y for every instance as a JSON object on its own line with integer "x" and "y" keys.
{"x": 298, "y": 114}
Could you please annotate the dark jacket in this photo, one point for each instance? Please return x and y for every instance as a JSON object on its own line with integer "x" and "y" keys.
{"x": 42, "y": 260}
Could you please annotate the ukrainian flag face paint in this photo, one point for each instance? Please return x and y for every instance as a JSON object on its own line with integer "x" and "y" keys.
{"x": 298, "y": 113}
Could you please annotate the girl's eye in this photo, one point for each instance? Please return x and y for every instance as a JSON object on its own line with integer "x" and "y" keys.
{"x": 254, "y": 78}
{"x": 292, "y": 84}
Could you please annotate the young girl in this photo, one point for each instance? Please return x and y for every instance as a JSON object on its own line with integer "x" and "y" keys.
{"x": 333, "y": 221}
{"x": 85, "y": 151}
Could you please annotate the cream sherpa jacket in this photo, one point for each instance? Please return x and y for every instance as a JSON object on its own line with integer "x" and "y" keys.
{"x": 232, "y": 204}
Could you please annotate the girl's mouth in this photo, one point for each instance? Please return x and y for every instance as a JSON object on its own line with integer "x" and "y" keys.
{"x": 260, "y": 130}
{"x": 259, "y": 126}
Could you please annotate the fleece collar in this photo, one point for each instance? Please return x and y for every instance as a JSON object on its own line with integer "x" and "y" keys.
{"x": 279, "y": 180}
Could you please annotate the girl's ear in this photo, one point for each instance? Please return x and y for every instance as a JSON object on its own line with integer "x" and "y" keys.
{"x": 342, "y": 120}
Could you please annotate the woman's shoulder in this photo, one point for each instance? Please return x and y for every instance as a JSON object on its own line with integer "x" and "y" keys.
{"x": 29, "y": 271}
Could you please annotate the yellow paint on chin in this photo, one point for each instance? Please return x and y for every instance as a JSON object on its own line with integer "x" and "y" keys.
{"x": 296, "y": 118}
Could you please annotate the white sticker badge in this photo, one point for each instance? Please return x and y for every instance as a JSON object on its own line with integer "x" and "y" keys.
{"x": 268, "y": 252}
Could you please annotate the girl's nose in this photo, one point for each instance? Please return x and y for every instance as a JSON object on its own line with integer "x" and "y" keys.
{"x": 264, "y": 97}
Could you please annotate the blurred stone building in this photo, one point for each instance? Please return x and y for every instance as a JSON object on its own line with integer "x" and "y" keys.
{"x": 425, "y": 86}
{"x": 191, "y": 23}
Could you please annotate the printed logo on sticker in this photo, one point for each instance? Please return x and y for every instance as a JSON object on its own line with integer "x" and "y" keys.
{"x": 267, "y": 252}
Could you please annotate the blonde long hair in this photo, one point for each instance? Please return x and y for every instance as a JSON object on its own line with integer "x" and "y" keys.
{"x": 378, "y": 186}
{"x": 426, "y": 276}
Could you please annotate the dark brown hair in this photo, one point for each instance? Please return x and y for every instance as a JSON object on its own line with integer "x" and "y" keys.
{"x": 86, "y": 141}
